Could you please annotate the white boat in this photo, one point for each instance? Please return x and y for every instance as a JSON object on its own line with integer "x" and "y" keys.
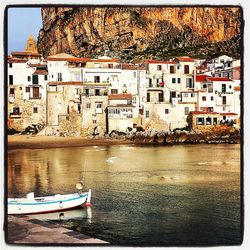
{"x": 47, "y": 204}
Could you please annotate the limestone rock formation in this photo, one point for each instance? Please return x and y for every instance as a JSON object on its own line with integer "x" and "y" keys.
{"x": 140, "y": 32}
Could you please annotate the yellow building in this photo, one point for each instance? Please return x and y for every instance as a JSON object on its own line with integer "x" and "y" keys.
{"x": 31, "y": 45}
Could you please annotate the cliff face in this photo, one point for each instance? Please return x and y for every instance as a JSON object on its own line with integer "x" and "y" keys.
{"x": 139, "y": 32}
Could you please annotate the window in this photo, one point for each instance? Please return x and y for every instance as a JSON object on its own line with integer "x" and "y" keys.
{"x": 16, "y": 110}
{"x": 20, "y": 88}
{"x": 171, "y": 69}
{"x": 178, "y": 80}
{"x": 230, "y": 86}
{"x": 114, "y": 91}
{"x": 212, "y": 98}
{"x": 27, "y": 89}
{"x": 223, "y": 88}
{"x": 192, "y": 95}
{"x": 79, "y": 108}
{"x": 173, "y": 94}
{"x": 186, "y": 110}
{"x": 173, "y": 80}
{"x": 159, "y": 67}
{"x": 210, "y": 88}
{"x": 189, "y": 82}
{"x": 96, "y": 79}
{"x": 199, "y": 121}
{"x": 147, "y": 113}
{"x": 59, "y": 77}
{"x": 215, "y": 121}
{"x": 45, "y": 77}
{"x": 10, "y": 65}
{"x": 88, "y": 105}
{"x": 11, "y": 79}
{"x": 134, "y": 100}
{"x": 134, "y": 74}
{"x": 160, "y": 97}
{"x": 178, "y": 66}
{"x": 87, "y": 92}
{"x": 208, "y": 121}
{"x": 166, "y": 111}
{"x": 150, "y": 83}
{"x": 97, "y": 92}
{"x": 186, "y": 69}
{"x": 12, "y": 91}
{"x": 110, "y": 66}
{"x": 77, "y": 91}
{"x": 29, "y": 78}
{"x": 185, "y": 94}
{"x": 98, "y": 108}
{"x": 35, "y": 79}
{"x": 98, "y": 105}
{"x": 35, "y": 110}
{"x": 224, "y": 100}
{"x": 204, "y": 98}
{"x": 148, "y": 97}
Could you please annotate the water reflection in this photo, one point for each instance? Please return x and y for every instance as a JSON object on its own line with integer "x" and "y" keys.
{"x": 177, "y": 195}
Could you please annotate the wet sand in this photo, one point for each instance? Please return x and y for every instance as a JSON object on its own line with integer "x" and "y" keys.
{"x": 34, "y": 141}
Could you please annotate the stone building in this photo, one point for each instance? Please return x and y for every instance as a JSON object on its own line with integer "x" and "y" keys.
{"x": 94, "y": 106}
{"x": 27, "y": 79}
{"x": 120, "y": 112}
{"x": 64, "y": 108}
{"x": 204, "y": 120}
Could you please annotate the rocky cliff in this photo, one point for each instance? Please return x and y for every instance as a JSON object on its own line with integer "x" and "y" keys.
{"x": 129, "y": 33}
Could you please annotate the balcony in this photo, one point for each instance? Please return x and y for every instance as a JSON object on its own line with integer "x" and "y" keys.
{"x": 15, "y": 115}
{"x": 98, "y": 111}
{"x": 36, "y": 97}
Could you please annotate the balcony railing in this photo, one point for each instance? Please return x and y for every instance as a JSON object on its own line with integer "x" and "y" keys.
{"x": 15, "y": 115}
{"x": 35, "y": 97}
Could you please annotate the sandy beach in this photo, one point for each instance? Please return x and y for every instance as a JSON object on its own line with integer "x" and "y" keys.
{"x": 34, "y": 141}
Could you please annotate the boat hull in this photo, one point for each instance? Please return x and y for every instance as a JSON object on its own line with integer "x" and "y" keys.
{"x": 46, "y": 204}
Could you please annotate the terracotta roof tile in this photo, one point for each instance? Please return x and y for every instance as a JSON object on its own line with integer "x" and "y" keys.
{"x": 23, "y": 53}
{"x": 201, "y": 78}
{"x": 229, "y": 113}
{"x": 124, "y": 96}
{"x": 14, "y": 60}
{"x": 160, "y": 62}
{"x": 219, "y": 79}
{"x": 40, "y": 72}
{"x": 185, "y": 59}
{"x": 203, "y": 113}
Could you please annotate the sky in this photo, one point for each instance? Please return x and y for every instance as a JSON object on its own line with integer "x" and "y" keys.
{"x": 21, "y": 23}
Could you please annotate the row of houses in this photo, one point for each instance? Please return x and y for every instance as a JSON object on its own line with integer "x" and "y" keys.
{"x": 66, "y": 94}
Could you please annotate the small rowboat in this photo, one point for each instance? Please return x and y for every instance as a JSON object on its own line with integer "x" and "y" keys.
{"x": 47, "y": 204}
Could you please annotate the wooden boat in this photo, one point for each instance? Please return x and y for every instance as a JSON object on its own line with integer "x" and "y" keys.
{"x": 47, "y": 204}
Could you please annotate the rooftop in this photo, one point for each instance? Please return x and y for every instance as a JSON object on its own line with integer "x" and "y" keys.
{"x": 185, "y": 59}
{"x": 219, "y": 79}
{"x": 160, "y": 62}
{"x": 203, "y": 113}
{"x": 65, "y": 83}
{"x": 123, "y": 96}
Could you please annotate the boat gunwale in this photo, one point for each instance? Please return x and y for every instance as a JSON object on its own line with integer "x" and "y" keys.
{"x": 17, "y": 202}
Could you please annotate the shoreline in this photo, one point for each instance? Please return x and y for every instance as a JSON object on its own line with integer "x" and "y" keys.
{"x": 41, "y": 142}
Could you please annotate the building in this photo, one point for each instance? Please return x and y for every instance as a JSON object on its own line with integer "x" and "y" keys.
{"x": 27, "y": 79}
{"x": 121, "y": 112}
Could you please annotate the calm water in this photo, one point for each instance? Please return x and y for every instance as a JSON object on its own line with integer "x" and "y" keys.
{"x": 165, "y": 196}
